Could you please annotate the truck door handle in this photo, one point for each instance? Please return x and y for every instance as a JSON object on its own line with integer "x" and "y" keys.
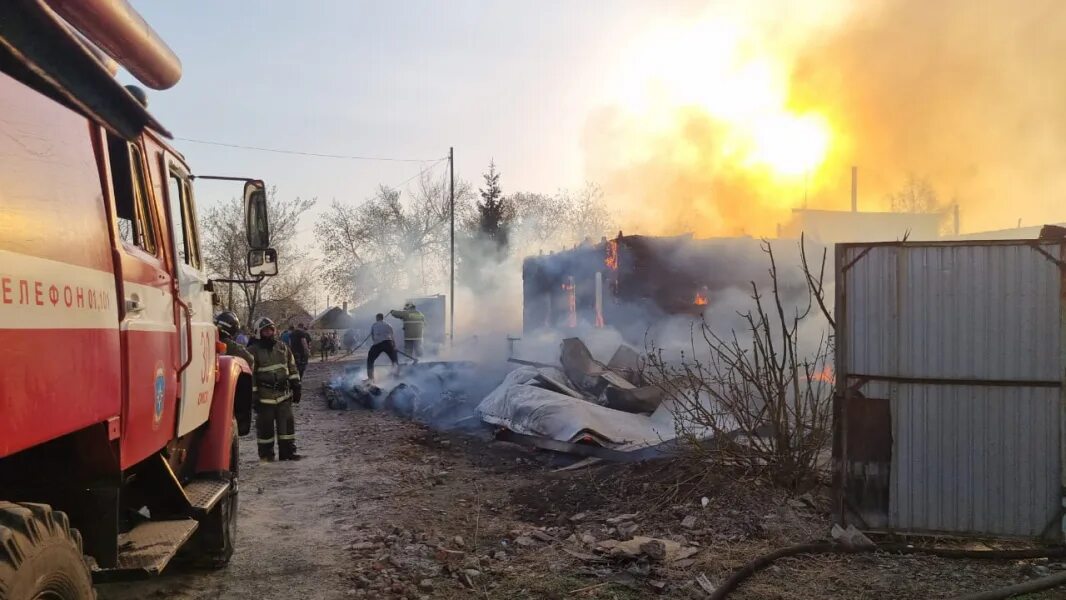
{"x": 188, "y": 335}
{"x": 134, "y": 305}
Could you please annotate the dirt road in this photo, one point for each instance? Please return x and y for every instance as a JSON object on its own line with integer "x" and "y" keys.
{"x": 383, "y": 508}
{"x": 292, "y": 521}
{"x": 303, "y": 527}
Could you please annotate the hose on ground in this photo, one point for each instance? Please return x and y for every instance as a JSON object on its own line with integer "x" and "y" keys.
{"x": 744, "y": 573}
{"x": 1028, "y": 587}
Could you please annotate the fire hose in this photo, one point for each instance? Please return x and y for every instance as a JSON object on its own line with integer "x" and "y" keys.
{"x": 414, "y": 360}
{"x": 821, "y": 547}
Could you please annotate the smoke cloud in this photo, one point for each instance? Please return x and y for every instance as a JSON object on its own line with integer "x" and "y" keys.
{"x": 967, "y": 95}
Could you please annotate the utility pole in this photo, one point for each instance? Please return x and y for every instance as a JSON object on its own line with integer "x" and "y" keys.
{"x": 854, "y": 189}
{"x": 451, "y": 195}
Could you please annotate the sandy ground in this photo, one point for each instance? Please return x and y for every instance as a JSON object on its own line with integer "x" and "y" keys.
{"x": 291, "y": 521}
{"x": 383, "y": 508}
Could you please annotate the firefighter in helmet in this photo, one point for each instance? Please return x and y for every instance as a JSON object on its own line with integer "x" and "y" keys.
{"x": 277, "y": 388}
{"x": 414, "y": 322}
{"x": 229, "y": 327}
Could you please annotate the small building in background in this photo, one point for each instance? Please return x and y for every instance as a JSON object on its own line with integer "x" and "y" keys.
{"x": 632, "y": 282}
{"x": 834, "y": 226}
{"x": 284, "y": 312}
{"x": 1015, "y": 233}
{"x": 334, "y": 318}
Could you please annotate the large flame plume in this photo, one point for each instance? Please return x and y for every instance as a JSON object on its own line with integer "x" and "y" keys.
{"x": 722, "y": 124}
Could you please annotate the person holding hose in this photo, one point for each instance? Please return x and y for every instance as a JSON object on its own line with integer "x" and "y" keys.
{"x": 383, "y": 343}
{"x": 414, "y": 323}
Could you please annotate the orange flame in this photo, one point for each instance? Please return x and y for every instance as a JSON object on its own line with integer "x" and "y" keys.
{"x": 701, "y": 297}
{"x": 612, "y": 255}
{"x": 826, "y": 374}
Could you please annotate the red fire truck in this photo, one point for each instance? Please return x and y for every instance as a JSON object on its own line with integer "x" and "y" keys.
{"x": 119, "y": 419}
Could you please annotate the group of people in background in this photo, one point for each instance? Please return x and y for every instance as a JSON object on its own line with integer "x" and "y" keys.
{"x": 278, "y": 362}
{"x": 303, "y": 344}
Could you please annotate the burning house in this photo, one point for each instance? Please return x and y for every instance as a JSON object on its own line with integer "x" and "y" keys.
{"x": 632, "y": 281}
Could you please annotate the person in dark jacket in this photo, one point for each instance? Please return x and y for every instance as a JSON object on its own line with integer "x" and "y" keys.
{"x": 229, "y": 327}
{"x": 300, "y": 343}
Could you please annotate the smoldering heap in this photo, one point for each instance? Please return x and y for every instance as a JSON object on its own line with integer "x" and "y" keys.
{"x": 579, "y": 406}
{"x": 439, "y": 394}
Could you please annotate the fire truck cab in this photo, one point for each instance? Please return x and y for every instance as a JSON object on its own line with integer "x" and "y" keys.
{"x": 119, "y": 418}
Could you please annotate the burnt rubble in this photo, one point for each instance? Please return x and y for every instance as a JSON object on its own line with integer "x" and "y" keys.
{"x": 580, "y": 406}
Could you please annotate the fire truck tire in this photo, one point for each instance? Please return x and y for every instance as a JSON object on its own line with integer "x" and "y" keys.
{"x": 218, "y": 531}
{"x": 40, "y": 555}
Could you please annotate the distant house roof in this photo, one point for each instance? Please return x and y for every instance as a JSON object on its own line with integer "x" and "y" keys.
{"x": 1017, "y": 233}
{"x": 831, "y": 226}
{"x": 283, "y": 312}
{"x": 333, "y": 317}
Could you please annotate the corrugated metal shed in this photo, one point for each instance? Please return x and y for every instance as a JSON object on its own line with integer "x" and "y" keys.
{"x": 950, "y": 387}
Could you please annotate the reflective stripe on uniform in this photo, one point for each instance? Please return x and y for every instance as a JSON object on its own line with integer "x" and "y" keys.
{"x": 287, "y": 437}
{"x": 265, "y": 440}
{"x": 272, "y": 368}
{"x": 277, "y": 400}
{"x": 294, "y": 377}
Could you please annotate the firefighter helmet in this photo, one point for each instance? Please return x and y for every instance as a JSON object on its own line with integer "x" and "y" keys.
{"x": 228, "y": 324}
{"x": 263, "y": 323}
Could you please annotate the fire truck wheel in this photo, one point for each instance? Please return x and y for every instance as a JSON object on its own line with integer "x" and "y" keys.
{"x": 218, "y": 530}
{"x": 40, "y": 555}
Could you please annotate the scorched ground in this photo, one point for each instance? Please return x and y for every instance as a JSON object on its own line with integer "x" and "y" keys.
{"x": 383, "y": 508}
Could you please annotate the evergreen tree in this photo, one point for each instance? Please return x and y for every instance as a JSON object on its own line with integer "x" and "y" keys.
{"x": 495, "y": 212}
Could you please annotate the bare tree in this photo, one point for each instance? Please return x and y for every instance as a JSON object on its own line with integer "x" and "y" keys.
{"x": 390, "y": 243}
{"x": 225, "y": 248}
{"x": 589, "y": 215}
{"x": 916, "y": 196}
{"x": 566, "y": 218}
{"x": 763, "y": 393}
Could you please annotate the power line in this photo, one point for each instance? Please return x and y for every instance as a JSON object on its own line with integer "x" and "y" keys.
{"x": 302, "y": 153}
{"x": 423, "y": 171}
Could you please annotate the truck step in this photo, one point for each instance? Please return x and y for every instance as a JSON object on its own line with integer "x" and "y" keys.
{"x": 147, "y": 548}
{"x": 204, "y": 494}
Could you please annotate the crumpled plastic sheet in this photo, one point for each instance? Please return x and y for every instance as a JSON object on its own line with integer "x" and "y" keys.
{"x": 525, "y": 408}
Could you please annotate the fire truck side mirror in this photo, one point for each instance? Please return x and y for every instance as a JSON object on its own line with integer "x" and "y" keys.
{"x": 255, "y": 214}
{"x": 263, "y": 263}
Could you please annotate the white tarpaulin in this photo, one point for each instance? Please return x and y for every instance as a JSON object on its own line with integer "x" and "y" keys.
{"x": 527, "y": 409}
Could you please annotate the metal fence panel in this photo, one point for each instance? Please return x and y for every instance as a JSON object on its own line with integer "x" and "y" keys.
{"x": 963, "y": 339}
{"x": 954, "y": 312}
{"x": 974, "y": 459}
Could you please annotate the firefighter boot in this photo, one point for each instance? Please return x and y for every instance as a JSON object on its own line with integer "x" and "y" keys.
{"x": 265, "y": 415}
{"x": 286, "y": 432}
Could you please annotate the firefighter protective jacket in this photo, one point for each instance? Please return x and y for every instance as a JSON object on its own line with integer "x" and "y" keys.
{"x": 413, "y": 323}
{"x": 275, "y": 370}
{"x": 238, "y": 350}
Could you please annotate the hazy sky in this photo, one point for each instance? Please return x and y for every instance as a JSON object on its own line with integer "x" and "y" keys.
{"x": 510, "y": 81}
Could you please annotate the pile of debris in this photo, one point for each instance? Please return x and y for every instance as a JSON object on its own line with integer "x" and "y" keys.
{"x": 618, "y": 384}
{"x": 440, "y": 394}
{"x": 580, "y": 406}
